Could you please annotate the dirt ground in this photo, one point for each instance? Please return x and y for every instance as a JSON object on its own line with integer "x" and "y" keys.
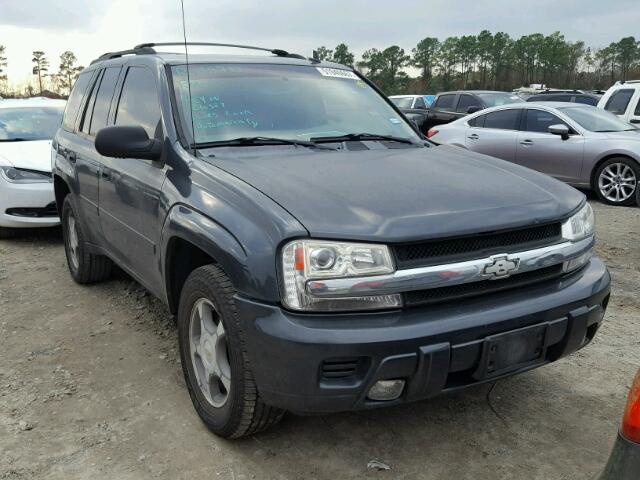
{"x": 91, "y": 388}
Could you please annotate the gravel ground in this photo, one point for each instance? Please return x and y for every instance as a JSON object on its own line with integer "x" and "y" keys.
{"x": 91, "y": 388}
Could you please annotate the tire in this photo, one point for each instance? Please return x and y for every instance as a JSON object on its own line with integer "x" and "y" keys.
{"x": 616, "y": 181}
{"x": 84, "y": 267}
{"x": 229, "y": 403}
{"x": 7, "y": 233}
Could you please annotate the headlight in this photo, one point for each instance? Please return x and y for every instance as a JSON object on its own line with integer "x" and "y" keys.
{"x": 579, "y": 226}
{"x": 304, "y": 260}
{"x": 19, "y": 175}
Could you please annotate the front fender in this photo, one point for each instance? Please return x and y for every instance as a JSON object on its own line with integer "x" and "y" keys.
{"x": 192, "y": 226}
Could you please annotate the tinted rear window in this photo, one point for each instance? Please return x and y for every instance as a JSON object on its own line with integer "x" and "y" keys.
{"x": 619, "y": 100}
{"x": 586, "y": 100}
{"x": 75, "y": 99}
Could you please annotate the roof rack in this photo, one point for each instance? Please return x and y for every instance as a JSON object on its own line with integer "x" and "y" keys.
{"x": 148, "y": 48}
{"x": 622, "y": 82}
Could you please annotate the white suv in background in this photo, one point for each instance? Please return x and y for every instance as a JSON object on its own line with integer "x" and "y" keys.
{"x": 623, "y": 99}
{"x": 26, "y": 189}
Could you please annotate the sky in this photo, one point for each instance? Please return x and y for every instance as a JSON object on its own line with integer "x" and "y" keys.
{"x": 92, "y": 27}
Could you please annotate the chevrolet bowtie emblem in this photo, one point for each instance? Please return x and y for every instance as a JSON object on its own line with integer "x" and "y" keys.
{"x": 501, "y": 266}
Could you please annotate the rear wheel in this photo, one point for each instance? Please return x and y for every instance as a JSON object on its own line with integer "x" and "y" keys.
{"x": 616, "y": 181}
{"x": 214, "y": 362}
{"x": 84, "y": 267}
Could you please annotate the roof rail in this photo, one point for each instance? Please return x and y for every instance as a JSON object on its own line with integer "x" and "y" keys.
{"x": 622, "y": 82}
{"x": 147, "y": 48}
{"x": 138, "y": 50}
{"x": 275, "y": 51}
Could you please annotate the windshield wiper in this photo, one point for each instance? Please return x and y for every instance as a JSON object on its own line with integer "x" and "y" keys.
{"x": 251, "y": 141}
{"x": 363, "y": 136}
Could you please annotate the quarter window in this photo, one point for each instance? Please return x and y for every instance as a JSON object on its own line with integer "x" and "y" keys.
{"x": 445, "y": 102}
{"x": 138, "y": 105}
{"x": 75, "y": 99}
{"x": 88, "y": 107}
{"x": 637, "y": 111}
{"x": 619, "y": 101}
{"x": 503, "y": 119}
{"x": 540, "y": 121}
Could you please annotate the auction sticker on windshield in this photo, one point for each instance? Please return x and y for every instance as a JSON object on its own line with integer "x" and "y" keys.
{"x": 337, "y": 73}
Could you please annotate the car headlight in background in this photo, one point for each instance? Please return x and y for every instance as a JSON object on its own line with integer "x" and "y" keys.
{"x": 579, "y": 226}
{"x": 20, "y": 175}
{"x": 304, "y": 260}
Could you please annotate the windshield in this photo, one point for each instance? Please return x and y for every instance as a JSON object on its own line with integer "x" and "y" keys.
{"x": 29, "y": 123}
{"x": 499, "y": 98}
{"x": 402, "y": 102}
{"x": 595, "y": 119}
{"x": 281, "y": 101}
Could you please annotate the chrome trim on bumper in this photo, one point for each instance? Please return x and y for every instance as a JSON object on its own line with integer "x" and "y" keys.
{"x": 449, "y": 274}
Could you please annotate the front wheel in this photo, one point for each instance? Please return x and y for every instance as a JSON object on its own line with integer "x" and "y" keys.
{"x": 616, "y": 181}
{"x": 214, "y": 362}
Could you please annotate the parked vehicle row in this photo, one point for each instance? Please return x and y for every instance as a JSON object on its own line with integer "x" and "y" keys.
{"x": 584, "y": 146}
{"x": 26, "y": 187}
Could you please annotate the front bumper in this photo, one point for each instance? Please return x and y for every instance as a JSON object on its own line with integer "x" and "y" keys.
{"x": 34, "y": 196}
{"x": 299, "y": 361}
{"x": 624, "y": 461}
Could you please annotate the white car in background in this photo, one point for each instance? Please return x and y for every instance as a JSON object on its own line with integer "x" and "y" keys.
{"x": 26, "y": 189}
{"x": 623, "y": 99}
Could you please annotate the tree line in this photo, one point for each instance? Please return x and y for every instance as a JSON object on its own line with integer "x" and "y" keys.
{"x": 59, "y": 82}
{"x": 493, "y": 61}
{"x": 482, "y": 61}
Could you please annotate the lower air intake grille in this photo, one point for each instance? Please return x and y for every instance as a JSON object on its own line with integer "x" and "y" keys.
{"x": 455, "y": 292}
{"x": 340, "y": 367}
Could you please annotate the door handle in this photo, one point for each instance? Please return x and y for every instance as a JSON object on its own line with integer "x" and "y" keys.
{"x": 526, "y": 142}
{"x": 473, "y": 136}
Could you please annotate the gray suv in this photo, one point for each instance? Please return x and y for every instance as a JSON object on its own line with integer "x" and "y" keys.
{"x": 320, "y": 254}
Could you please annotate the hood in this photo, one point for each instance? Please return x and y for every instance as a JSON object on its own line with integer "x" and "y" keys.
{"x": 405, "y": 194}
{"x": 32, "y": 155}
{"x": 633, "y": 135}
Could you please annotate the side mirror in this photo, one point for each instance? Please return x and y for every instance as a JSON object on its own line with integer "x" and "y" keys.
{"x": 127, "y": 142}
{"x": 559, "y": 129}
{"x": 473, "y": 109}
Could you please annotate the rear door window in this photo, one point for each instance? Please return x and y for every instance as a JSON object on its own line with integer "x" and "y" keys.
{"x": 540, "y": 121}
{"x": 103, "y": 99}
{"x": 75, "y": 100}
{"x": 445, "y": 102}
{"x": 138, "y": 105}
{"x": 88, "y": 107}
{"x": 503, "y": 119}
{"x": 619, "y": 101}
{"x": 465, "y": 102}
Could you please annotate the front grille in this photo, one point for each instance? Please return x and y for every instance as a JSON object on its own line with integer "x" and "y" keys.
{"x": 34, "y": 212}
{"x": 452, "y": 250}
{"x": 455, "y": 292}
{"x": 340, "y": 367}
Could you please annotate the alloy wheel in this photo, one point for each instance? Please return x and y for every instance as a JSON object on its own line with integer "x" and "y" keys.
{"x": 209, "y": 352}
{"x": 72, "y": 238}
{"x": 617, "y": 182}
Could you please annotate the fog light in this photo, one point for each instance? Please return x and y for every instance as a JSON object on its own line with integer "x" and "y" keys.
{"x": 384, "y": 390}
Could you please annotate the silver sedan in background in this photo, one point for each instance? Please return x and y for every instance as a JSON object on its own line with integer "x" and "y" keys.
{"x": 579, "y": 144}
